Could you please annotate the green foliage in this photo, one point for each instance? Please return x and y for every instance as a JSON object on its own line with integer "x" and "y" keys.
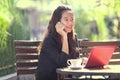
{"x": 3, "y": 32}
{"x": 98, "y": 12}
{"x": 19, "y": 28}
{"x": 13, "y": 25}
{"x": 5, "y": 19}
{"x": 82, "y": 26}
{"x": 7, "y": 71}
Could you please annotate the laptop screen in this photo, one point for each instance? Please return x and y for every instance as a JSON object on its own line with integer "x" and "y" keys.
{"x": 100, "y": 56}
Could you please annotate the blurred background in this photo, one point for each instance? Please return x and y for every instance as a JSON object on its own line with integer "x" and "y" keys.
{"x": 96, "y": 20}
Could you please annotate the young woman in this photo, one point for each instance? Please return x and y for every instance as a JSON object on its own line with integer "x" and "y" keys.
{"x": 59, "y": 44}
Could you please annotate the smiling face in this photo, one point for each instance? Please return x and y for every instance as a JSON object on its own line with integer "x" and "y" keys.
{"x": 67, "y": 20}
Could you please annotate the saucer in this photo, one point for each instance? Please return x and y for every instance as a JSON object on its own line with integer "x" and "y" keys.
{"x": 75, "y": 68}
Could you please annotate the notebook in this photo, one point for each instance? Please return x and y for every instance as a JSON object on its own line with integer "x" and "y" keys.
{"x": 99, "y": 56}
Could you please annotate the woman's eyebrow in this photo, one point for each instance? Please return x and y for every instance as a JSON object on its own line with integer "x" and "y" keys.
{"x": 67, "y": 17}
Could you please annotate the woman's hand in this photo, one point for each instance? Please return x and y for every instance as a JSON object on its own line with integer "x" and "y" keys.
{"x": 60, "y": 29}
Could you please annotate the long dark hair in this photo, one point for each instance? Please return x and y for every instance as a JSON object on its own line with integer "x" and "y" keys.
{"x": 56, "y": 16}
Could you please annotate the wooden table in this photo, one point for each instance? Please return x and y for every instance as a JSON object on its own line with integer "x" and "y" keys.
{"x": 110, "y": 70}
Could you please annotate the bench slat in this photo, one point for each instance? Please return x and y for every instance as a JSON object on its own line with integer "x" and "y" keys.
{"x": 26, "y": 71}
{"x": 26, "y": 50}
{"x": 116, "y": 56}
{"x": 26, "y": 43}
{"x": 87, "y": 50}
{"x": 26, "y": 64}
{"x": 114, "y": 62}
{"x": 26, "y": 57}
{"x": 106, "y": 43}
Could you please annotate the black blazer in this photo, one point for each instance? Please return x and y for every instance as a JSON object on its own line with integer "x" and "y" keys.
{"x": 50, "y": 58}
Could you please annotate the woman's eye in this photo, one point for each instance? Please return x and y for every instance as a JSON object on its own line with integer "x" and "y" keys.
{"x": 66, "y": 19}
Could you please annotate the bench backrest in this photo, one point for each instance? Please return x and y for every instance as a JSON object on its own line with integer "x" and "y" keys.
{"x": 85, "y": 48}
{"x": 26, "y": 54}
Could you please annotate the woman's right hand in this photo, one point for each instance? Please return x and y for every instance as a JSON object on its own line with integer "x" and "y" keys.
{"x": 60, "y": 29}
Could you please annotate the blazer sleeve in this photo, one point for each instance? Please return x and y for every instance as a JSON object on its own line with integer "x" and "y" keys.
{"x": 53, "y": 51}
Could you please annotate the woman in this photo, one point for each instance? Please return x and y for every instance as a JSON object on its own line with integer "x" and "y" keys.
{"x": 58, "y": 45}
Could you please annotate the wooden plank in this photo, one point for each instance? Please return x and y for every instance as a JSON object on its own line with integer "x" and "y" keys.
{"x": 114, "y": 61}
{"x": 26, "y": 64}
{"x": 26, "y": 57}
{"x": 106, "y": 43}
{"x": 26, "y": 50}
{"x": 26, "y": 43}
{"x": 26, "y": 71}
{"x": 116, "y": 56}
{"x": 87, "y": 50}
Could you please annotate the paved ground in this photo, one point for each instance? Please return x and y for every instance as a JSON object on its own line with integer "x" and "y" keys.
{"x": 9, "y": 77}
{"x": 14, "y": 77}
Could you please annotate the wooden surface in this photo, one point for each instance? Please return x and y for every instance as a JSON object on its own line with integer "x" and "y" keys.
{"x": 108, "y": 70}
{"x": 86, "y": 46}
{"x": 26, "y": 54}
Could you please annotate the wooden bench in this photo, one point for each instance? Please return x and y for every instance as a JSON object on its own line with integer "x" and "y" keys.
{"x": 26, "y": 54}
{"x": 86, "y": 46}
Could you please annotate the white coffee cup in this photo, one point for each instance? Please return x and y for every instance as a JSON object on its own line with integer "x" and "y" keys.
{"x": 74, "y": 62}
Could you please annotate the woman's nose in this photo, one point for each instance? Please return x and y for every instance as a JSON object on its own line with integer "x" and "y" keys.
{"x": 70, "y": 24}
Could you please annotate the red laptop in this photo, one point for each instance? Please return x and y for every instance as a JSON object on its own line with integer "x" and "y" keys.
{"x": 100, "y": 56}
